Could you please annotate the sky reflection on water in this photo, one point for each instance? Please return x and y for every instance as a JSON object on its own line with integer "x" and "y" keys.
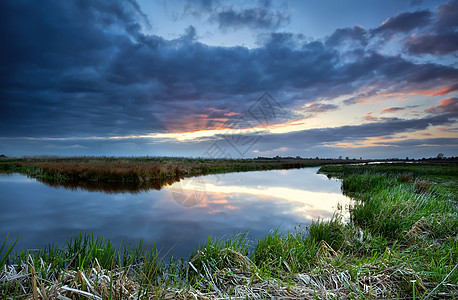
{"x": 226, "y": 204}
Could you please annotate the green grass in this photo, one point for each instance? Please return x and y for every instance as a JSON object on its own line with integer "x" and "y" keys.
{"x": 401, "y": 243}
{"x": 407, "y": 207}
{"x": 8, "y": 250}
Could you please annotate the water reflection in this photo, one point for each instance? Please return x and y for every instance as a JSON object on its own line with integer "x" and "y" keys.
{"x": 112, "y": 187}
{"x": 297, "y": 192}
{"x": 223, "y": 204}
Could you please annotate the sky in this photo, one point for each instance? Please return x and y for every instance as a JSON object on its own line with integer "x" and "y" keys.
{"x": 229, "y": 79}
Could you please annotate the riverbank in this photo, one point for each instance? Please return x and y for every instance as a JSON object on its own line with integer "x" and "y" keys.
{"x": 401, "y": 243}
{"x": 119, "y": 174}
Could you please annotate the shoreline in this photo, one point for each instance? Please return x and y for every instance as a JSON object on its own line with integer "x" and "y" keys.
{"x": 124, "y": 174}
{"x": 137, "y": 174}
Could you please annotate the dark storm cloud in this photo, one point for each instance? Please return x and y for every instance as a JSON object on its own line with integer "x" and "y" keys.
{"x": 442, "y": 38}
{"x": 446, "y": 16}
{"x": 259, "y": 17}
{"x": 54, "y": 59}
{"x": 79, "y": 69}
{"x": 356, "y": 33}
{"x": 404, "y": 22}
{"x": 424, "y": 32}
{"x": 442, "y": 43}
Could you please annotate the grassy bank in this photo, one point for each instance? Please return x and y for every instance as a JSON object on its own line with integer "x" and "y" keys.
{"x": 140, "y": 173}
{"x": 401, "y": 243}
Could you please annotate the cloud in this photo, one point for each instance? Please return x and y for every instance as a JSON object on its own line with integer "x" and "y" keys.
{"x": 352, "y": 134}
{"x": 112, "y": 80}
{"x": 448, "y": 105}
{"x": 369, "y": 117}
{"x": 257, "y": 18}
{"x": 262, "y": 15}
{"x": 421, "y": 32}
{"x": 320, "y": 107}
{"x": 392, "y": 109}
{"x": 446, "y": 16}
{"x": 198, "y": 8}
{"x": 65, "y": 147}
{"x": 355, "y": 33}
{"x": 442, "y": 39}
{"x": 442, "y": 142}
{"x": 441, "y": 43}
{"x": 85, "y": 69}
{"x": 446, "y": 90}
{"x": 416, "y": 2}
{"x": 403, "y": 23}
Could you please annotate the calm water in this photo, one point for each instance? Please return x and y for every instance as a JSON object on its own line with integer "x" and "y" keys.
{"x": 180, "y": 216}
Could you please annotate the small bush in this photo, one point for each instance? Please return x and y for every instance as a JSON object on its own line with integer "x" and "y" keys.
{"x": 406, "y": 177}
{"x": 421, "y": 186}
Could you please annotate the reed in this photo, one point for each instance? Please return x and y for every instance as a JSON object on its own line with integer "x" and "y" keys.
{"x": 138, "y": 173}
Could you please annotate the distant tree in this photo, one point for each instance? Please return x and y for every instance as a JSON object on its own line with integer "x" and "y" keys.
{"x": 440, "y": 156}
{"x": 347, "y": 158}
{"x": 340, "y": 157}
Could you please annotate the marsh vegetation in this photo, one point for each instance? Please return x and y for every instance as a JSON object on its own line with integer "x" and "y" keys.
{"x": 401, "y": 242}
{"x": 139, "y": 173}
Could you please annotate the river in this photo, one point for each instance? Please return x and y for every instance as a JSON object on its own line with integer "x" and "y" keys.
{"x": 178, "y": 217}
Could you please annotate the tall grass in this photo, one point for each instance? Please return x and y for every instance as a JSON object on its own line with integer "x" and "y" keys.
{"x": 391, "y": 207}
{"x": 403, "y": 207}
{"x": 5, "y": 252}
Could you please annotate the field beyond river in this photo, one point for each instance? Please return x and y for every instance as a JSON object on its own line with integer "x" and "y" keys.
{"x": 120, "y": 174}
{"x": 400, "y": 242}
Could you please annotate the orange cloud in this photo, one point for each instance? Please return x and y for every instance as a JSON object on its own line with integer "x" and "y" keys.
{"x": 433, "y": 92}
{"x": 443, "y": 92}
{"x": 219, "y": 119}
{"x": 428, "y": 92}
{"x": 447, "y": 105}
{"x": 369, "y": 117}
{"x": 221, "y": 201}
{"x": 391, "y": 109}
{"x": 231, "y": 114}
{"x": 231, "y": 207}
{"x": 370, "y": 101}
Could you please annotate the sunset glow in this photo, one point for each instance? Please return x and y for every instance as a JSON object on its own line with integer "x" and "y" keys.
{"x": 292, "y": 78}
